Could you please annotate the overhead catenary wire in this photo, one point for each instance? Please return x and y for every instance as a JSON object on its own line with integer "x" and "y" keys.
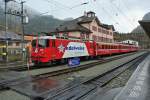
{"x": 110, "y": 16}
{"x": 123, "y": 14}
{"x": 61, "y": 6}
{"x": 127, "y": 7}
{"x": 117, "y": 15}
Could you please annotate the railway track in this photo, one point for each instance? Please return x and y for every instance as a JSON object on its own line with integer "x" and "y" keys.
{"x": 11, "y": 78}
{"x": 17, "y": 66}
{"x": 59, "y": 92}
{"x": 89, "y": 86}
{"x": 79, "y": 68}
{"x": 67, "y": 70}
{"x": 13, "y": 65}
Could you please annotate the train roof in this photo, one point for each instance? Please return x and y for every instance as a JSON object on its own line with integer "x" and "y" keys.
{"x": 116, "y": 44}
{"x": 45, "y": 37}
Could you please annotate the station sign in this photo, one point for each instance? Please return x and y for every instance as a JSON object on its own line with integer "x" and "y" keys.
{"x": 73, "y": 62}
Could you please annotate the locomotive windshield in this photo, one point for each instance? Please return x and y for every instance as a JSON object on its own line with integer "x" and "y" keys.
{"x": 41, "y": 43}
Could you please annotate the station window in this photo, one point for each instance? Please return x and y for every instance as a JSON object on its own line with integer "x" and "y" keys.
{"x": 99, "y": 30}
{"x": 17, "y": 43}
{"x": 10, "y": 43}
{"x": 94, "y": 28}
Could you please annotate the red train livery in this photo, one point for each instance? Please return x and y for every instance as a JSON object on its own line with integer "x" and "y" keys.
{"x": 48, "y": 49}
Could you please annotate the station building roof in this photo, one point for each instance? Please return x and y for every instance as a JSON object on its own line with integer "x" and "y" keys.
{"x": 146, "y": 26}
{"x": 9, "y": 36}
{"x": 76, "y": 24}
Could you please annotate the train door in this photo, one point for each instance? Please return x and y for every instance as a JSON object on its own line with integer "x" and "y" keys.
{"x": 53, "y": 49}
{"x": 96, "y": 49}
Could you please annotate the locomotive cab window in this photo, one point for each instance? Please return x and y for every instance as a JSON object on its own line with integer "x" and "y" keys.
{"x": 40, "y": 43}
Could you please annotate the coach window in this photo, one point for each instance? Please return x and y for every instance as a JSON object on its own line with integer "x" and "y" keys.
{"x": 53, "y": 43}
{"x": 106, "y": 47}
{"x": 100, "y": 47}
{"x": 91, "y": 46}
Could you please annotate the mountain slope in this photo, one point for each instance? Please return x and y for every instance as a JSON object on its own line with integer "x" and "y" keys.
{"x": 37, "y": 23}
{"x": 42, "y": 24}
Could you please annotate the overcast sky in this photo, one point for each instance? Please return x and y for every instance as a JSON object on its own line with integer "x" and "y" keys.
{"x": 123, "y": 14}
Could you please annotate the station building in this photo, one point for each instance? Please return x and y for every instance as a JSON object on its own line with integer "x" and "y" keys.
{"x": 130, "y": 42}
{"x": 13, "y": 39}
{"x": 86, "y": 27}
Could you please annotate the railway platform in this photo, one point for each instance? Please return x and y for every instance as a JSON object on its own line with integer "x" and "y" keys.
{"x": 137, "y": 88}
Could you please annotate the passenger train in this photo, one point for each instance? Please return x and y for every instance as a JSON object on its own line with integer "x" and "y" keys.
{"x": 48, "y": 49}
